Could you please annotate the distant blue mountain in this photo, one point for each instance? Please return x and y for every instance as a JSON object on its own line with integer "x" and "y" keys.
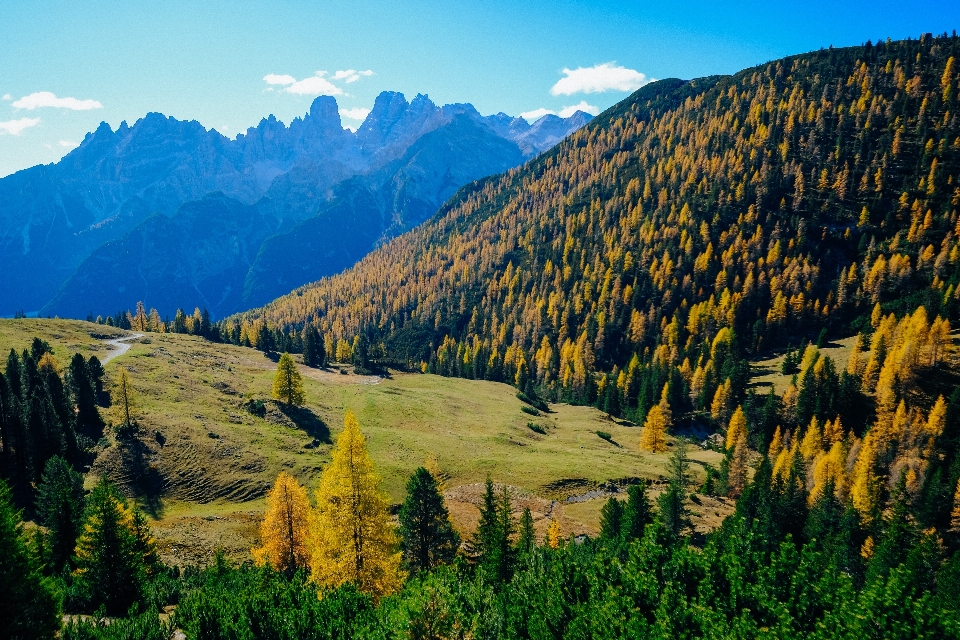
{"x": 126, "y": 216}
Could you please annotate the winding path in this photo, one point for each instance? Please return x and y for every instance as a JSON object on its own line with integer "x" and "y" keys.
{"x": 119, "y": 346}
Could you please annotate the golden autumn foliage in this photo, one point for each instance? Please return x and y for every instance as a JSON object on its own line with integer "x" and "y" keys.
{"x": 688, "y": 210}
{"x": 737, "y": 475}
{"x": 285, "y": 527}
{"x": 653, "y": 438}
{"x": 352, "y": 537}
{"x": 737, "y": 427}
{"x": 554, "y": 537}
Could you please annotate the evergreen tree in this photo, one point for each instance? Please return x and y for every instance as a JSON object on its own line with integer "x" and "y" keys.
{"x": 491, "y": 542}
{"x": 352, "y": 539}
{"x": 29, "y": 607}
{"x": 124, "y": 406}
{"x": 638, "y": 512}
{"x": 527, "y": 540}
{"x": 84, "y": 397}
{"x": 427, "y": 538}
{"x": 60, "y": 505}
{"x": 265, "y": 339}
{"x": 314, "y": 354}
{"x": 361, "y": 353}
{"x": 287, "y": 383}
{"x": 97, "y": 374}
{"x": 673, "y": 510}
{"x": 285, "y": 527}
{"x": 112, "y": 553}
{"x": 612, "y": 520}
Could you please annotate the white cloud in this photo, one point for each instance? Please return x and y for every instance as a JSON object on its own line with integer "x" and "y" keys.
{"x": 359, "y": 113}
{"x": 15, "y": 127}
{"x": 315, "y": 86}
{"x": 318, "y": 84}
{"x": 7, "y": 97}
{"x": 47, "y": 99}
{"x": 272, "y": 78}
{"x": 69, "y": 144}
{"x": 599, "y": 78}
{"x": 566, "y": 112}
{"x": 536, "y": 114}
{"x": 350, "y": 75}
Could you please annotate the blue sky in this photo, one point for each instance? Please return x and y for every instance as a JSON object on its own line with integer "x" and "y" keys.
{"x": 67, "y": 66}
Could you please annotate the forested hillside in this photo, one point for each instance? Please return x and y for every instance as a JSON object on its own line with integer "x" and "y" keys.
{"x": 775, "y": 203}
{"x": 690, "y": 228}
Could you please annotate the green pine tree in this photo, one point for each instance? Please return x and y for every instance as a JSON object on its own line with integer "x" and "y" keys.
{"x": 427, "y": 538}
{"x": 611, "y": 520}
{"x": 60, "y": 509}
{"x": 29, "y": 607}
{"x": 527, "y": 539}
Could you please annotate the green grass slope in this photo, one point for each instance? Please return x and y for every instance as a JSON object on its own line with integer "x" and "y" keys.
{"x": 202, "y": 463}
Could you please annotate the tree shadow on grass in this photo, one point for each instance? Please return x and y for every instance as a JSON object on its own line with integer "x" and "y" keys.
{"x": 142, "y": 478}
{"x": 308, "y": 421}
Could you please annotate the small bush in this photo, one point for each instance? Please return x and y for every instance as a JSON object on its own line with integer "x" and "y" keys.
{"x": 529, "y": 410}
{"x": 606, "y": 436}
{"x": 256, "y": 407}
{"x": 536, "y": 402}
{"x": 536, "y": 428}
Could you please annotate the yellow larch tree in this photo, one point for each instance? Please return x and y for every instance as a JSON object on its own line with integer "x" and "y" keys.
{"x": 829, "y": 468}
{"x": 285, "y": 527}
{"x": 937, "y": 418}
{"x": 288, "y": 383}
{"x": 737, "y": 475}
{"x": 832, "y": 432}
{"x": 553, "y": 534}
{"x": 812, "y": 443}
{"x": 720, "y": 407}
{"x": 653, "y": 438}
{"x": 864, "y": 483}
{"x": 352, "y": 538}
{"x": 738, "y": 426}
{"x": 955, "y": 515}
{"x": 776, "y": 445}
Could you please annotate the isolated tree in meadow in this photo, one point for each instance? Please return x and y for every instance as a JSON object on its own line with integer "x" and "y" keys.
{"x": 287, "y": 383}
{"x": 352, "y": 538}
{"x": 427, "y": 538}
{"x": 60, "y": 503}
{"x": 29, "y": 607}
{"x": 124, "y": 409}
{"x": 285, "y": 527}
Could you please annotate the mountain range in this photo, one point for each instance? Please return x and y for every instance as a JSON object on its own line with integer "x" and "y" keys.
{"x": 177, "y": 215}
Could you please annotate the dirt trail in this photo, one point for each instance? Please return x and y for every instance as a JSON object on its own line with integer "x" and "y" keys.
{"x": 119, "y": 346}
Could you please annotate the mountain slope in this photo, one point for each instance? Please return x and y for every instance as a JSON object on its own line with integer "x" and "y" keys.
{"x": 775, "y": 203}
{"x": 196, "y": 258}
{"x": 53, "y": 217}
{"x": 367, "y": 209}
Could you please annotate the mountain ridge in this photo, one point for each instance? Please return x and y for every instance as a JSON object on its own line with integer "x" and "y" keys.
{"x": 54, "y": 216}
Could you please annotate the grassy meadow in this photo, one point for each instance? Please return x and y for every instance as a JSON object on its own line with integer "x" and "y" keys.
{"x": 202, "y": 461}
